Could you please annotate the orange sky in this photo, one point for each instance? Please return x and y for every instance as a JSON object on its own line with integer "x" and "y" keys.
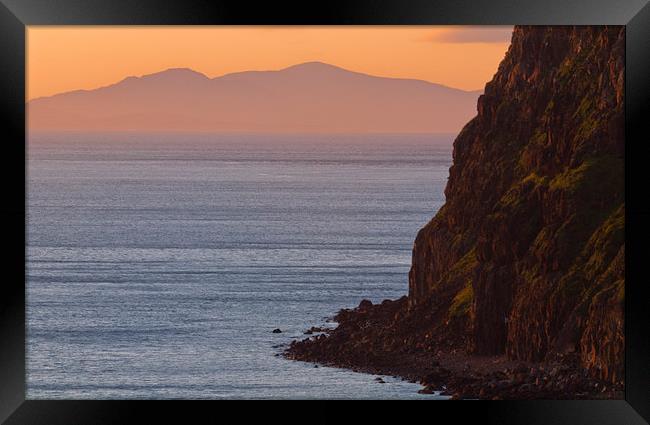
{"x": 67, "y": 58}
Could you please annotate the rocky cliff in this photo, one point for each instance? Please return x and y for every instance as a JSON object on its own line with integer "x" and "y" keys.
{"x": 525, "y": 261}
{"x": 531, "y": 238}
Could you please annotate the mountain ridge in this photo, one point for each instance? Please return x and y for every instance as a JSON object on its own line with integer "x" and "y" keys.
{"x": 235, "y": 73}
{"x": 308, "y": 97}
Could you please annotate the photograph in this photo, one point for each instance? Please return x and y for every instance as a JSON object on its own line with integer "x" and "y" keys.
{"x": 429, "y": 212}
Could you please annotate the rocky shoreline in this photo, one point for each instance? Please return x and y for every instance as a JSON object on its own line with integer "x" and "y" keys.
{"x": 448, "y": 369}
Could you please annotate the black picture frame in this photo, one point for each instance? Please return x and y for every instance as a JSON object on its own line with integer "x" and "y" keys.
{"x": 15, "y": 15}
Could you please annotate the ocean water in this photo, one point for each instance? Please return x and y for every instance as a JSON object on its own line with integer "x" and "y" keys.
{"x": 158, "y": 265}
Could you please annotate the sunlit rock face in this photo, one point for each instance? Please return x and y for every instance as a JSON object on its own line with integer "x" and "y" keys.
{"x": 527, "y": 255}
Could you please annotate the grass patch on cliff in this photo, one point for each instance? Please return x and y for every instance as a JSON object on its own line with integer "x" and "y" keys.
{"x": 596, "y": 175}
{"x": 620, "y": 293}
{"x": 462, "y": 302}
{"x": 604, "y": 245}
{"x": 520, "y": 205}
{"x": 465, "y": 265}
{"x": 587, "y": 118}
{"x": 527, "y": 161}
{"x": 597, "y": 257}
{"x": 594, "y": 189}
{"x": 462, "y": 270}
{"x": 535, "y": 179}
{"x": 518, "y": 195}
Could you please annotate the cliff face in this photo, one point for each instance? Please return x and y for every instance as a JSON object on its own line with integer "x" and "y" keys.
{"x": 525, "y": 261}
{"x": 527, "y": 255}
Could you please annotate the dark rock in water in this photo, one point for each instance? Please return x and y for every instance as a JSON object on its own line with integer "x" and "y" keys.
{"x": 315, "y": 329}
{"x": 380, "y": 380}
{"x": 438, "y": 376}
{"x": 365, "y": 304}
{"x": 277, "y": 331}
{"x": 426, "y": 390}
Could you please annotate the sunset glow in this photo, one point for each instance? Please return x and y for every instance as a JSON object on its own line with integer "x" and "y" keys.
{"x": 68, "y": 58}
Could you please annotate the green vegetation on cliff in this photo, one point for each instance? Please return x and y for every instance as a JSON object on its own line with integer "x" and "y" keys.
{"x": 536, "y": 195}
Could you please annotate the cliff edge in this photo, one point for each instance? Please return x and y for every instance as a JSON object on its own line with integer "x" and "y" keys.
{"x": 526, "y": 258}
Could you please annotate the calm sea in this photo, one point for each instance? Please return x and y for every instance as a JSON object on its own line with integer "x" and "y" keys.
{"x": 158, "y": 265}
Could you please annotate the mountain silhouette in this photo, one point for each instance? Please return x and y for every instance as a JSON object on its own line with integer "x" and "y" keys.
{"x": 309, "y": 97}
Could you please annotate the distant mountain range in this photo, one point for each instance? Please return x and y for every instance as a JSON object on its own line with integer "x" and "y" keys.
{"x": 310, "y": 97}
